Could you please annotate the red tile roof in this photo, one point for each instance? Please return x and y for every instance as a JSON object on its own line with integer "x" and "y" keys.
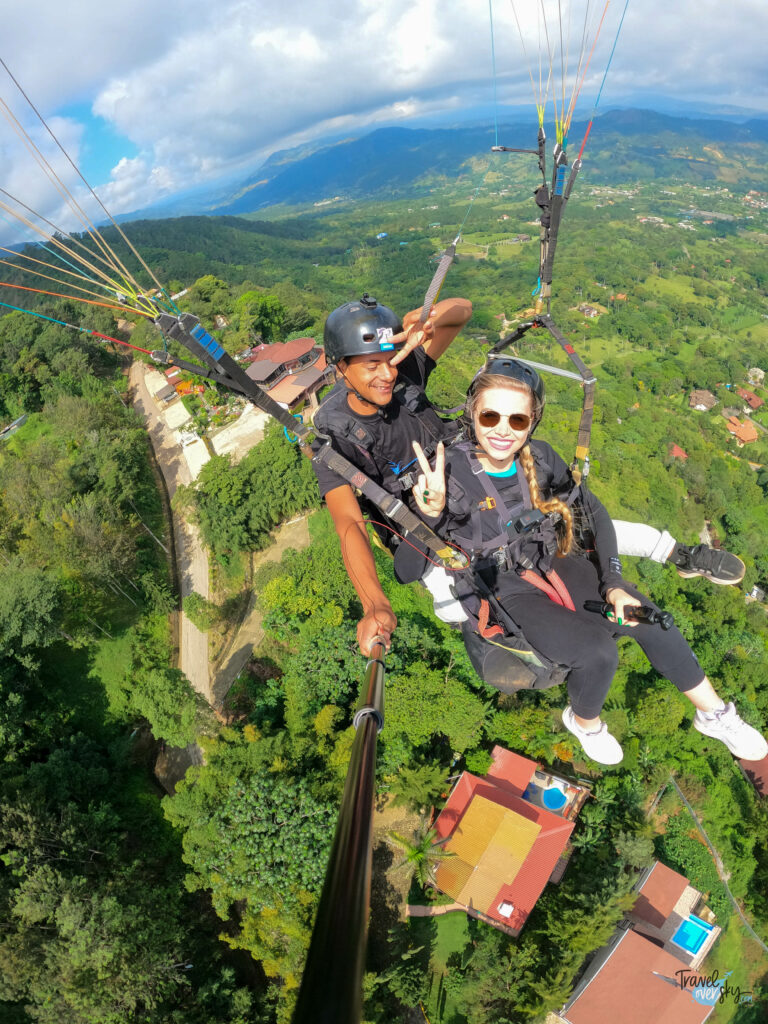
{"x": 658, "y": 895}
{"x": 637, "y": 984}
{"x": 510, "y": 771}
{"x": 752, "y": 400}
{"x": 677, "y": 452}
{"x": 284, "y": 351}
{"x": 757, "y": 773}
{"x": 518, "y": 884}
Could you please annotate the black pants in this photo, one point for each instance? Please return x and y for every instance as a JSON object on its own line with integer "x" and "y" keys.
{"x": 585, "y": 642}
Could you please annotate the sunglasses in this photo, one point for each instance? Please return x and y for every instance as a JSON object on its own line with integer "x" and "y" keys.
{"x": 517, "y": 420}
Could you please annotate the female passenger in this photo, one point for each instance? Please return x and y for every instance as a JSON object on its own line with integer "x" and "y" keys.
{"x": 509, "y": 500}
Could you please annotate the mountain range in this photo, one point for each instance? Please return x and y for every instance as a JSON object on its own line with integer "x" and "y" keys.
{"x": 624, "y": 145}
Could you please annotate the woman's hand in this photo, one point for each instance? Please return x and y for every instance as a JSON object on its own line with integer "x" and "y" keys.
{"x": 429, "y": 492}
{"x": 621, "y": 600}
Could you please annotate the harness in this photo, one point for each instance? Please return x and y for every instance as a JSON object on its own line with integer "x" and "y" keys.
{"x": 524, "y": 541}
{"x": 334, "y": 417}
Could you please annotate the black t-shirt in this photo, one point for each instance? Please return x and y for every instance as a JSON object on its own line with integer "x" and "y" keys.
{"x": 393, "y": 430}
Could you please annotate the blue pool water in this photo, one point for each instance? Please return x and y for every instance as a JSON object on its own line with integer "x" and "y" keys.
{"x": 553, "y": 799}
{"x": 692, "y": 934}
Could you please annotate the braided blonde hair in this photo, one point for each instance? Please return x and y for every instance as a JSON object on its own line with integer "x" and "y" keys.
{"x": 486, "y": 381}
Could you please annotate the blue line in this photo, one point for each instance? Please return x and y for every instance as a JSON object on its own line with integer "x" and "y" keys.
{"x": 50, "y": 319}
{"x": 613, "y": 49}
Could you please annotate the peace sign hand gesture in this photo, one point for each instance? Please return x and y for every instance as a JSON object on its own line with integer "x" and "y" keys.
{"x": 429, "y": 492}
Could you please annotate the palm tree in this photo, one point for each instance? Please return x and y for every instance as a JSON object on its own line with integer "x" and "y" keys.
{"x": 422, "y": 853}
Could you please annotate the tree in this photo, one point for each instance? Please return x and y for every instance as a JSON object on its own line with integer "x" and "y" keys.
{"x": 418, "y": 786}
{"x": 422, "y": 854}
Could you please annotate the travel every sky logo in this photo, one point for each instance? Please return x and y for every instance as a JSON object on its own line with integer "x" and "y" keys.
{"x": 708, "y": 989}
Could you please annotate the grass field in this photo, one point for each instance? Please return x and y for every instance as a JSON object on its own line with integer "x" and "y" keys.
{"x": 452, "y": 936}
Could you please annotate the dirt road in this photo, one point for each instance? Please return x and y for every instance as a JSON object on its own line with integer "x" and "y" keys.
{"x": 191, "y": 558}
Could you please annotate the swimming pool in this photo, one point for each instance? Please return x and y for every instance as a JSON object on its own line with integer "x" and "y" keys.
{"x": 692, "y": 934}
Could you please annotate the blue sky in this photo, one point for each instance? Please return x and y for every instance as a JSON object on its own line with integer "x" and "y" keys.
{"x": 153, "y": 98}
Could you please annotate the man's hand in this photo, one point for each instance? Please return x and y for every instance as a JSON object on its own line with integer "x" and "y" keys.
{"x": 414, "y": 335}
{"x": 429, "y": 492}
{"x": 621, "y": 600}
{"x": 380, "y": 621}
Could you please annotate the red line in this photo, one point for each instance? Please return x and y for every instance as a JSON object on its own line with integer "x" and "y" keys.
{"x": 117, "y": 341}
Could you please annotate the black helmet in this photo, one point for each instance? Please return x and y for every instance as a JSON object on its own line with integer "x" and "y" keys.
{"x": 504, "y": 366}
{"x": 359, "y": 328}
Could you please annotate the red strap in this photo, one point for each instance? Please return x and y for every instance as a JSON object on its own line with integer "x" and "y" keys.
{"x": 553, "y": 587}
{"x": 483, "y": 628}
{"x": 560, "y": 587}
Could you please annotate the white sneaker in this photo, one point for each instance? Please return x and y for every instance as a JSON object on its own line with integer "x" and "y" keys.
{"x": 741, "y": 739}
{"x": 599, "y": 745}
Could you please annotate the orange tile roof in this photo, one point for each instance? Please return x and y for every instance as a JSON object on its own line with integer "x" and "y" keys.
{"x": 637, "y": 984}
{"x": 658, "y": 894}
{"x": 510, "y": 845}
{"x": 745, "y": 432}
{"x": 677, "y": 452}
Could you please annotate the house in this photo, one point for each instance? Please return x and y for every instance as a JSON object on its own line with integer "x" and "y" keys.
{"x": 702, "y": 400}
{"x": 744, "y": 433}
{"x": 220, "y": 321}
{"x": 636, "y": 977}
{"x": 290, "y": 371}
{"x": 756, "y": 376}
{"x": 166, "y": 394}
{"x": 677, "y": 452}
{"x": 588, "y": 311}
{"x": 752, "y": 400}
{"x": 633, "y": 981}
{"x": 173, "y": 376}
{"x": 509, "y": 831}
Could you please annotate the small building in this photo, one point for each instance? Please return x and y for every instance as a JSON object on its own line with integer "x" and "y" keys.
{"x": 509, "y": 831}
{"x": 755, "y": 377}
{"x": 745, "y": 433}
{"x": 752, "y": 400}
{"x": 290, "y": 371}
{"x": 166, "y": 394}
{"x": 677, "y": 452}
{"x": 173, "y": 376}
{"x": 702, "y": 400}
{"x": 383, "y": 234}
{"x": 636, "y": 977}
{"x": 13, "y": 427}
{"x": 587, "y": 310}
{"x": 220, "y": 321}
{"x": 756, "y": 593}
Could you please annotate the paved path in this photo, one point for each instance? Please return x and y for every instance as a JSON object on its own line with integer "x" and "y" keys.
{"x": 192, "y": 561}
{"x": 417, "y": 910}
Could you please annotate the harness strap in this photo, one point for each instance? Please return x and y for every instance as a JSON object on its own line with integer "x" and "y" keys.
{"x": 552, "y": 586}
{"x": 483, "y": 628}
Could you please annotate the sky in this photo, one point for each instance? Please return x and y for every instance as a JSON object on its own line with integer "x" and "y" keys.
{"x": 152, "y": 98}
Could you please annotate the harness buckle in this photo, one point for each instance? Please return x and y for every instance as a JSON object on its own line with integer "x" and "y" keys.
{"x": 486, "y": 504}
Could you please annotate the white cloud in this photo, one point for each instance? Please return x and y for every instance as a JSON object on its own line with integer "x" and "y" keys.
{"x": 204, "y": 90}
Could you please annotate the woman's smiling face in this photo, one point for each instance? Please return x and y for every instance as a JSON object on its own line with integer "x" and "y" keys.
{"x": 501, "y": 441}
